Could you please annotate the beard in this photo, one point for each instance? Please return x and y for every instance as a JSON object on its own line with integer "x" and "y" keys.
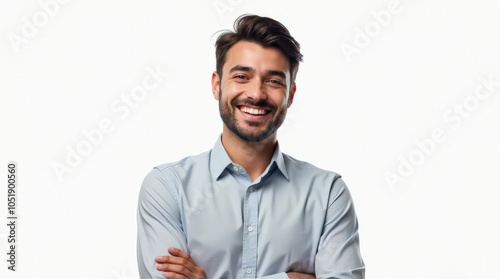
{"x": 251, "y": 133}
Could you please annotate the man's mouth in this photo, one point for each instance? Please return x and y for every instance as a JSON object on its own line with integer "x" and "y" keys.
{"x": 253, "y": 111}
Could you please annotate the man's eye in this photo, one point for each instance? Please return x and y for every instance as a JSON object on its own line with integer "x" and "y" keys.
{"x": 276, "y": 82}
{"x": 240, "y": 77}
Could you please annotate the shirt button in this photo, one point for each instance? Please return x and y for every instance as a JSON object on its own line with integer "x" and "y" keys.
{"x": 250, "y": 229}
{"x": 235, "y": 168}
{"x": 250, "y": 189}
{"x": 249, "y": 270}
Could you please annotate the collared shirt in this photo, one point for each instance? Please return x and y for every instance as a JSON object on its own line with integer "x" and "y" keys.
{"x": 295, "y": 217}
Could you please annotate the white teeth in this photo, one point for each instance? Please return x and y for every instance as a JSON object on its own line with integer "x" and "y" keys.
{"x": 253, "y": 111}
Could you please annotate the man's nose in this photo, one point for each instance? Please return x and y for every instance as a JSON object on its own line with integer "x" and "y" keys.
{"x": 256, "y": 90}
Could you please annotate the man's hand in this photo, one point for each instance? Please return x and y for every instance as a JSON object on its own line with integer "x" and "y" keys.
{"x": 295, "y": 275}
{"x": 179, "y": 266}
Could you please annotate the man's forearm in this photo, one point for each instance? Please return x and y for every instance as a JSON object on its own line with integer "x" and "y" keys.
{"x": 295, "y": 275}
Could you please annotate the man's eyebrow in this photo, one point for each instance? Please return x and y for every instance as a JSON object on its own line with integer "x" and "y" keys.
{"x": 241, "y": 68}
{"x": 250, "y": 69}
{"x": 276, "y": 73}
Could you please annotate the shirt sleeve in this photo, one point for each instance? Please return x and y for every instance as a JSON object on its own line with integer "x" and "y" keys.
{"x": 159, "y": 223}
{"x": 339, "y": 255}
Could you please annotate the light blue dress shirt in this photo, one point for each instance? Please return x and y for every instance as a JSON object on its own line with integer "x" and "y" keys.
{"x": 293, "y": 218}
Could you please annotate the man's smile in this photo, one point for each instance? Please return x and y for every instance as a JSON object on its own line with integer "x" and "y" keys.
{"x": 253, "y": 111}
{"x": 253, "y": 114}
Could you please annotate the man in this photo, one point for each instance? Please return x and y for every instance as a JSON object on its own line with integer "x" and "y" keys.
{"x": 244, "y": 209}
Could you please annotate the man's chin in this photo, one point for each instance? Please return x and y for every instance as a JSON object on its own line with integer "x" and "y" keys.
{"x": 249, "y": 131}
{"x": 253, "y": 136}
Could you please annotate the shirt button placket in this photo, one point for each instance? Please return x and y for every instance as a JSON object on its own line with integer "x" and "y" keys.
{"x": 249, "y": 259}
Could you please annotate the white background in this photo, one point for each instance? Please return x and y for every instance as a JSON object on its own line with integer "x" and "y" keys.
{"x": 359, "y": 115}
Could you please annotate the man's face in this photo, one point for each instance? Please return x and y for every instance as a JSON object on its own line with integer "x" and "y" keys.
{"x": 255, "y": 91}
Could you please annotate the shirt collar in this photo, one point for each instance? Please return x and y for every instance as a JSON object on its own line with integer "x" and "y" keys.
{"x": 279, "y": 160}
{"x": 219, "y": 160}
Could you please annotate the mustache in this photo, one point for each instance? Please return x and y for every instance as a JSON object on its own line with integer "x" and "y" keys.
{"x": 260, "y": 104}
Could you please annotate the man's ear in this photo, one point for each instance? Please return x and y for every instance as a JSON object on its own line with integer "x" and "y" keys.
{"x": 291, "y": 94}
{"x": 215, "y": 85}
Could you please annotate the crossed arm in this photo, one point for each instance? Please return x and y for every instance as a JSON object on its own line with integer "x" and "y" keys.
{"x": 181, "y": 266}
{"x": 158, "y": 216}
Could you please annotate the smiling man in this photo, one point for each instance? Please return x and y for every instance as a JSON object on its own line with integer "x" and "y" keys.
{"x": 244, "y": 209}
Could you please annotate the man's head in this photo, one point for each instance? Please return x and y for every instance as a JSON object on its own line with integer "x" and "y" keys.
{"x": 254, "y": 81}
{"x": 264, "y": 31}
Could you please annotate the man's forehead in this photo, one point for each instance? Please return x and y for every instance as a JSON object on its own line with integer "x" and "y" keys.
{"x": 256, "y": 56}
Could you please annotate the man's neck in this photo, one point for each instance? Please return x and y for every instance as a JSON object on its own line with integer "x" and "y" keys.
{"x": 254, "y": 157}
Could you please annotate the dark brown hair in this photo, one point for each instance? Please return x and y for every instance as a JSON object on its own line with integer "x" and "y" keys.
{"x": 264, "y": 31}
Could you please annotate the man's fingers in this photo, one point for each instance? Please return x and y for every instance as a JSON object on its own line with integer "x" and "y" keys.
{"x": 179, "y": 265}
{"x": 173, "y": 275}
{"x": 172, "y": 260}
{"x": 295, "y": 275}
{"x": 167, "y": 267}
{"x": 179, "y": 253}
